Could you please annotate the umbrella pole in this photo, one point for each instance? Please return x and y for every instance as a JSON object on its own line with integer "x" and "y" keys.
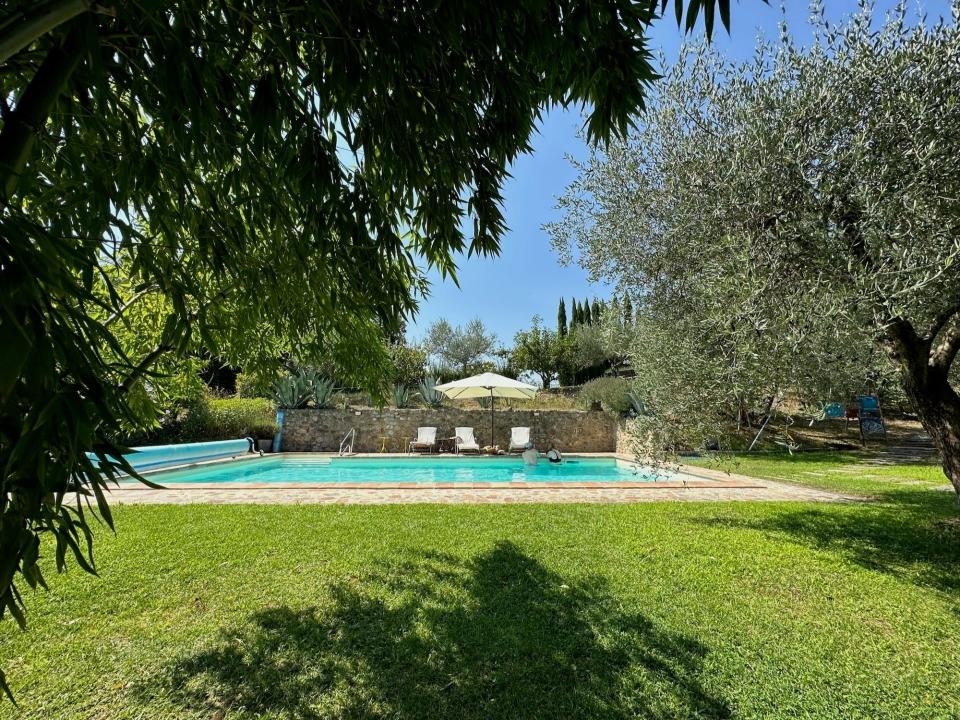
{"x": 491, "y": 416}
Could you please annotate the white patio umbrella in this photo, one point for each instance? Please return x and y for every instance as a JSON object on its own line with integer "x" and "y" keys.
{"x": 487, "y": 385}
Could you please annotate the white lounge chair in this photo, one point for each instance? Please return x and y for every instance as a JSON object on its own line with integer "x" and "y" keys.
{"x": 426, "y": 439}
{"x": 519, "y": 438}
{"x": 465, "y": 439}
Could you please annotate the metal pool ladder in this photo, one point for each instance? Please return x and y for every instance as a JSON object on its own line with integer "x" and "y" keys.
{"x": 346, "y": 445}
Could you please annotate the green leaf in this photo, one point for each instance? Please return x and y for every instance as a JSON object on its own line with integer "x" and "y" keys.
{"x": 693, "y": 12}
{"x": 16, "y": 351}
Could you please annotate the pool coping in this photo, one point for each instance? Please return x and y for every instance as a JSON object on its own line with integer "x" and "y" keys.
{"x": 687, "y": 477}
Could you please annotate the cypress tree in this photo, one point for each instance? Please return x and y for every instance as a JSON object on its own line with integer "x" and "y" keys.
{"x": 575, "y": 319}
{"x": 585, "y": 309}
{"x": 627, "y": 311}
{"x": 562, "y": 319}
{"x": 595, "y": 312}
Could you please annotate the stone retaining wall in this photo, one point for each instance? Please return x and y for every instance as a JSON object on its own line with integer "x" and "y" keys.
{"x": 570, "y": 430}
{"x": 624, "y": 440}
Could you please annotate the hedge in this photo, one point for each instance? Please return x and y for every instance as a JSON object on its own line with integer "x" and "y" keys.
{"x": 228, "y": 419}
{"x": 612, "y": 393}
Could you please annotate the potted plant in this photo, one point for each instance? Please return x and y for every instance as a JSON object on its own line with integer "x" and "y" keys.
{"x": 264, "y": 434}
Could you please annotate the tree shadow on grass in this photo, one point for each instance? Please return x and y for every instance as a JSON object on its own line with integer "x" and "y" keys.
{"x": 911, "y": 534}
{"x": 437, "y": 637}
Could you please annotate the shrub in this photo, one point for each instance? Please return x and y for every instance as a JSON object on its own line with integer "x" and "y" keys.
{"x": 612, "y": 393}
{"x": 190, "y": 424}
{"x": 407, "y": 363}
{"x": 229, "y": 419}
{"x": 252, "y": 385}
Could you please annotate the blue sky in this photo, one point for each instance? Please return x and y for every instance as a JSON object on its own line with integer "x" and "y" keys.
{"x": 526, "y": 278}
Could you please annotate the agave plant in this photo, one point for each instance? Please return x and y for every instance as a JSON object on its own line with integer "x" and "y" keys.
{"x": 322, "y": 391}
{"x": 292, "y": 392}
{"x": 401, "y": 395}
{"x": 428, "y": 391}
{"x": 297, "y": 390}
{"x": 636, "y": 404}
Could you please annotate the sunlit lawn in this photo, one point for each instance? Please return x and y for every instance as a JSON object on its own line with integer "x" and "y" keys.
{"x": 662, "y": 610}
{"x": 840, "y": 471}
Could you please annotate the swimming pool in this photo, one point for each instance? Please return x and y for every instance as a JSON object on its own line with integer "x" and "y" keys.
{"x": 302, "y": 469}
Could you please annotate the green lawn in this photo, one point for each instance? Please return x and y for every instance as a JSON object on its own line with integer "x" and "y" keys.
{"x": 662, "y": 610}
{"x": 841, "y": 471}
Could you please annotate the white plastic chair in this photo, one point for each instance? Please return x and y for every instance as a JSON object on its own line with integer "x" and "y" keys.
{"x": 519, "y": 438}
{"x": 465, "y": 439}
{"x": 426, "y": 438}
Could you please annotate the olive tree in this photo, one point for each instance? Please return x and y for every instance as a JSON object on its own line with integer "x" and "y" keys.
{"x": 461, "y": 347}
{"x": 538, "y": 350}
{"x": 795, "y": 216}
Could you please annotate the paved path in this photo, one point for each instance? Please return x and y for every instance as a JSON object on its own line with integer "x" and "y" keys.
{"x": 708, "y": 485}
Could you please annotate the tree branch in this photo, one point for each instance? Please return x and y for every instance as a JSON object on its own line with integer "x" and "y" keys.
{"x": 34, "y": 107}
{"x": 900, "y": 339}
{"x": 126, "y": 306}
{"x": 34, "y": 26}
{"x": 848, "y": 220}
{"x": 940, "y": 319}
{"x": 943, "y": 354}
{"x": 144, "y": 365}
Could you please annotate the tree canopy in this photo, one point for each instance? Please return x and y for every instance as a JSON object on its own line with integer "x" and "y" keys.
{"x": 294, "y": 164}
{"x": 785, "y": 222}
{"x": 461, "y": 347}
{"x": 538, "y": 350}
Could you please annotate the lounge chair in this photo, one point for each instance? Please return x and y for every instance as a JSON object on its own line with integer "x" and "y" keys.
{"x": 465, "y": 439}
{"x": 871, "y": 418}
{"x": 519, "y": 438}
{"x": 426, "y": 439}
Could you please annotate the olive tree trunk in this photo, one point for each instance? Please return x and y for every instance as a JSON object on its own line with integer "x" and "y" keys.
{"x": 924, "y": 363}
{"x": 939, "y": 412}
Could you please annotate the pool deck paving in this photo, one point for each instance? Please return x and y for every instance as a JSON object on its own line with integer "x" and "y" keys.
{"x": 695, "y": 484}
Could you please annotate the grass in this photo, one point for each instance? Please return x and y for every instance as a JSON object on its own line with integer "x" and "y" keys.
{"x": 846, "y": 472}
{"x": 659, "y": 610}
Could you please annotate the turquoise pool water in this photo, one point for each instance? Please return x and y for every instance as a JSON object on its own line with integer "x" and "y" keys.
{"x": 299, "y": 469}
